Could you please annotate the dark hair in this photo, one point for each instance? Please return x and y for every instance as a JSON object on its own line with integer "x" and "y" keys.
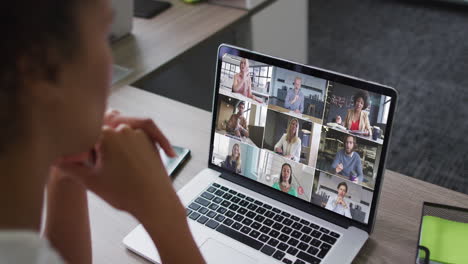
{"x": 38, "y": 36}
{"x": 281, "y": 174}
{"x": 343, "y": 184}
{"x": 240, "y": 103}
{"x": 365, "y": 97}
{"x": 354, "y": 140}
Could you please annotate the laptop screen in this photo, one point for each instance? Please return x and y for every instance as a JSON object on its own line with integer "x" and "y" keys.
{"x": 311, "y": 138}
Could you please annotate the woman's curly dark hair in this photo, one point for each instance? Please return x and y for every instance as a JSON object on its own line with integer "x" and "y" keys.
{"x": 365, "y": 97}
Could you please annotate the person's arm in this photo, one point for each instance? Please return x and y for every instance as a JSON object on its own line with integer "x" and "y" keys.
{"x": 67, "y": 223}
{"x": 279, "y": 144}
{"x": 331, "y": 205}
{"x": 236, "y": 84}
{"x": 297, "y": 150}
{"x": 224, "y": 164}
{"x": 336, "y": 161}
{"x": 287, "y": 101}
{"x": 249, "y": 88}
{"x": 231, "y": 124}
{"x": 245, "y": 128}
{"x": 301, "y": 105}
{"x": 367, "y": 126}
{"x": 129, "y": 174}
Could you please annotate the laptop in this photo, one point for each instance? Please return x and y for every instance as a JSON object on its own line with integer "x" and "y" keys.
{"x": 295, "y": 167}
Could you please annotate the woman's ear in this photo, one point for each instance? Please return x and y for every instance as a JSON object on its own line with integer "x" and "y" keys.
{"x": 40, "y": 84}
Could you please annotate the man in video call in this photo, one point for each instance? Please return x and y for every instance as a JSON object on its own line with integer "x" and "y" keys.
{"x": 348, "y": 162}
{"x": 295, "y": 98}
{"x": 237, "y": 124}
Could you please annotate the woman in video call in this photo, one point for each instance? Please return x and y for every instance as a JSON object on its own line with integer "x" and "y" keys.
{"x": 338, "y": 204}
{"x": 357, "y": 119}
{"x": 290, "y": 144}
{"x": 285, "y": 180}
{"x": 233, "y": 161}
{"x": 242, "y": 83}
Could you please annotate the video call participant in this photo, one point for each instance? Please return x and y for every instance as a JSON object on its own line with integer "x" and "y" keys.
{"x": 347, "y": 162}
{"x": 338, "y": 120}
{"x": 233, "y": 161}
{"x": 237, "y": 124}
{"x": 357, "y": 119}
{"x": 339, "y": 204}
{"x": 242, "y": 83}
{"x": 295, "y": 98}
{"x": 285, "y": 180}
{"x": 290, "y": 144}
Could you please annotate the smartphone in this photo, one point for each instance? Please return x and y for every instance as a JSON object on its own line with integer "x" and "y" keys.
{"x": 172, "y": 164}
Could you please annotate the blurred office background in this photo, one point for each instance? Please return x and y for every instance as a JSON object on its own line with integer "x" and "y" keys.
{"x": 418, "y": 47}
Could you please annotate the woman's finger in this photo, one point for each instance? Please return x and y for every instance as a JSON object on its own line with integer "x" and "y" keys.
{"x": 149, "y": 127}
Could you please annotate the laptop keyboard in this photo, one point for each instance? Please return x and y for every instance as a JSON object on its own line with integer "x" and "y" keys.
{"x": 276, "y": 233}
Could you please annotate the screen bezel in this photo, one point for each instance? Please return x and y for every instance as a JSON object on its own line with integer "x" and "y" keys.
{"x": 329, "y": 76}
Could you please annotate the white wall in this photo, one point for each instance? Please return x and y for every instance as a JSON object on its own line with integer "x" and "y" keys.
{"x": 281, "y": 30}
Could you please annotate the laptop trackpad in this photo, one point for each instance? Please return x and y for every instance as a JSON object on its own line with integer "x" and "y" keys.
{"x": 216, "y": 252}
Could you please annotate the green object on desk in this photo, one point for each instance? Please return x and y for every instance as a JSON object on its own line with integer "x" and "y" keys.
{"x": 191, "y": 1}
{"x": 446, "y": 240}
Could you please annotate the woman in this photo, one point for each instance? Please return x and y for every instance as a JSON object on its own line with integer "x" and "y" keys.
{"x": 233, "y": 161}
{"x": 53, "y": 94}
{"x": 289, "y": 144}
{"x": 357, "y": 119}
{"x": 339, "y": 204}
{"x": 285, "y": 180}
{"x": 242, "y": 83}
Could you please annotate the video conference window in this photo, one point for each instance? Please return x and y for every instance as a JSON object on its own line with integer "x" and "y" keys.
{"x": 235, "y": 156}
{"x": 308, "y": 137}
{"x": 349, "y": 157}
{"x": 245, "y": 79}
{"x": 298, "y": 94}
{"x": 294, "y": 139}
{"x": 359, "y": 112}
{"x": 285, "y": 175}
{"x": 241, "y": 120}
{"x": 341, "y": 196}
